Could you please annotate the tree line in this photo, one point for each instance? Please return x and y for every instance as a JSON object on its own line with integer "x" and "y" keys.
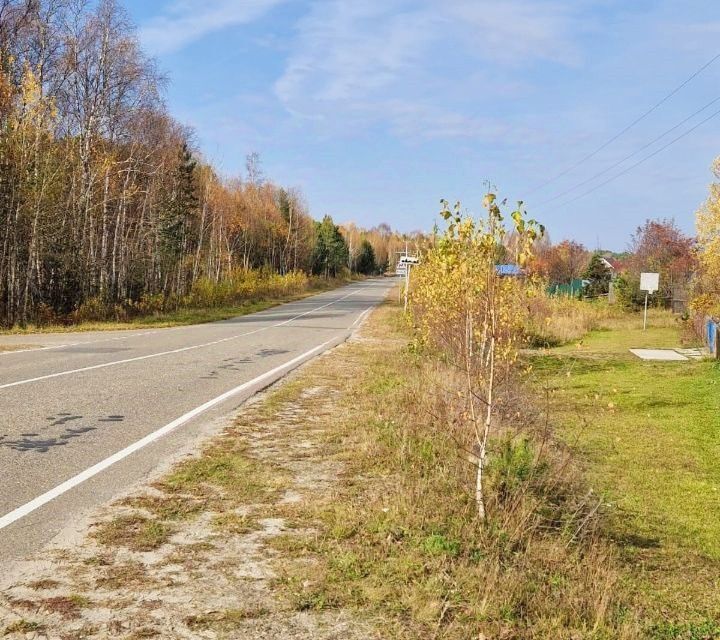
{"x": 103, "y": 195}
{"x": 658, "y": 246}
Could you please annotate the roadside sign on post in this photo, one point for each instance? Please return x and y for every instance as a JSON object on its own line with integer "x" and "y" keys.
{"x": 404, "y": 265}
{"x": 649, "y": 283}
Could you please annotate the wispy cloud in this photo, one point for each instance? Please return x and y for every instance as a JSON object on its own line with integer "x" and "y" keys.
{"x": 407, "y": 62}
{"x": 185, "y": 21}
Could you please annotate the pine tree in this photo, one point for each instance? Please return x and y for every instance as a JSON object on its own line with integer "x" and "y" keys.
{"x": 330, "y": 255}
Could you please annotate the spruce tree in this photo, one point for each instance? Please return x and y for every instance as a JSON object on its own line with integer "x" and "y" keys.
{"x": 366, "y": 262}
{"x": 177, "y": 222}
{"x": 599, "y": 275}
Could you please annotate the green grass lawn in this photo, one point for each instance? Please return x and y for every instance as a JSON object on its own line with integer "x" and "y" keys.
{"x": 649, "y": 436}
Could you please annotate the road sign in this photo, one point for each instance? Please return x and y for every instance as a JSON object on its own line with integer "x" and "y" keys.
{"x": 404, "y": 265}
{"x": 649, "y": 282}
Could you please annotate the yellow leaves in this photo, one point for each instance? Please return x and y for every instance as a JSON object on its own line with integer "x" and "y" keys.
{"x": 708, "y": 234}
{"x": 36, "y": 112}
{"x": 458, "y": 299}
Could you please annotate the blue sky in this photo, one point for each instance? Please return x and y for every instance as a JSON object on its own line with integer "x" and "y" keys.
{"x": 377, "y": 109}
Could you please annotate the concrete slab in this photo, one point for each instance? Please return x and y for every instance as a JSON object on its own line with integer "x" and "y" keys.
{"x": 659, "y": 354}
{"x": 697, "y": 353}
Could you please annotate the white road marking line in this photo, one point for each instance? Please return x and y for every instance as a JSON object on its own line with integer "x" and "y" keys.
{"x": 75, "y": 344}
{"x": 361, "y": 317}
{"x": 81, "y": 477}
{"x": 259, "y": 314}
{"x": 104, "y": 365}
{"x": 57, "y": 346}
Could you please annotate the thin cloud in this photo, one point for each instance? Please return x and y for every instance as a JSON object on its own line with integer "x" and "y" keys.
{"x": 351, "y": 60}
{"x": 186, "y": 21}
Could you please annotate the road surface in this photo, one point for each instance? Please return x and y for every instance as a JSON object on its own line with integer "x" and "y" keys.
{"x": 85, "y": 415}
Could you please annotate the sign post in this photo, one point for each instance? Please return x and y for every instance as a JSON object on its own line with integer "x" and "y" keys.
{"x": 649, "y": 283}
{"x": 405, "y": 264}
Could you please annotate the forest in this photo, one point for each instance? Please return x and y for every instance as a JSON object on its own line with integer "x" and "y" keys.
{"x": 106, "y": 205}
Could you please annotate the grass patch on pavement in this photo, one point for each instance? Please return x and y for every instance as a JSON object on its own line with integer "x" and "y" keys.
{"x": 226, "y": 620}
{"x": 23, "y": 626}
{"x": 224, "y": 473}
{"x": 133, "y": 531}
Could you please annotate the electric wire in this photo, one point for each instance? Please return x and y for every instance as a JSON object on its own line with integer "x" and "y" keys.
{"x": 623, "y": 131}
{"x": 641, "y": 161}
{"x": 629, "y": 156}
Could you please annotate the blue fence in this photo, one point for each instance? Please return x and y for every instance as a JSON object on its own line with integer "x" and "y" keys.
{"x": 711, "y": 336}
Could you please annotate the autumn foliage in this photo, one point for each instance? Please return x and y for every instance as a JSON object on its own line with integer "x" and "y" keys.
{"x": 105, "y": 201}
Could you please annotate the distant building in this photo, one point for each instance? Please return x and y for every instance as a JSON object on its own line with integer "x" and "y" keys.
{"x": 509, "y": 270}
{"x": 615, "y": 265}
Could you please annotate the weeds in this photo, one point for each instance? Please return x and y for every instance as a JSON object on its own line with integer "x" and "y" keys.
{"x": 135, "y": 532}
{"x": 23, "y": 626}
{"x": 400, "y": 539}
{"x": 245, "y": 291}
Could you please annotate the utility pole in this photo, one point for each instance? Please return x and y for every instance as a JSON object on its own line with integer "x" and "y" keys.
{"x": 407, "y": 285}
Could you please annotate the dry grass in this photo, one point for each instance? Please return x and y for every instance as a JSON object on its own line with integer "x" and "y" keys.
{"x": 166, "y": 507}
{"x": 554, "y": 321}
{"x": 234, "y": 523}
{"x": 558, "y": 320}
{"x": 224, "y": 621}
{"x": 23, "y": 626}
{"x": 399, "y": 539}
{"x": 124, "y": 575}
{"x": 224, "y": 474}
{"x": 243, "y": 293}
{"x": 134, "y": 532}
{"x": 43, "y": 585}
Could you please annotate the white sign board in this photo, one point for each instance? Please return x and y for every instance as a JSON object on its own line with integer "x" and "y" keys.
{"x": 409, "y": 260}
{"x": 649, "y": 282}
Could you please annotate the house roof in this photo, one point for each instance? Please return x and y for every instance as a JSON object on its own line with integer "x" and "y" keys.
{"x": 509, "y": 270}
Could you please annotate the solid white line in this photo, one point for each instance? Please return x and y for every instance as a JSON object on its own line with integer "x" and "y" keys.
{"x": 104, "y": 365}
{"x": 81, "y": 477}
{"x": 75, "y": 344}
{"x": 361, "y": 317}
{"x": 56, "y": 346}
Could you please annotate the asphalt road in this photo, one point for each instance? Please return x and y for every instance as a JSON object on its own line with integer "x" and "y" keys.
{"x": 83, "y": 416}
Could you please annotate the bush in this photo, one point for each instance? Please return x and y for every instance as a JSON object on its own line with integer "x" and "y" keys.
{"x": 240, "y": 287}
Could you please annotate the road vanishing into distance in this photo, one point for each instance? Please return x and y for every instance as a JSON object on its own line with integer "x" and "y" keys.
{"x": 84, "y": 416}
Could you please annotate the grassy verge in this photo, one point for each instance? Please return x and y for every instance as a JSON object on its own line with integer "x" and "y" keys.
{"x": 340, "y": 506}
{"x": 649, "y": 433}
{"x": 180, "y": 317}
{"x": 399, "y": 538}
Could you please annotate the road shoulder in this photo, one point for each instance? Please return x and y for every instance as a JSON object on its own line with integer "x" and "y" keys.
{"x": 200, "y": 551}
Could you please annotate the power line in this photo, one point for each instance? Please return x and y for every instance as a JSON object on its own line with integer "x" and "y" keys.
{"x": 626, "y": 158}
{"x": 641, "y": 161}
{"x": 604, "y": 145}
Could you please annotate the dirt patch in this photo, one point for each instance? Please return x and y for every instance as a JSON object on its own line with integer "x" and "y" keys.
{"x": 199, "y": 553}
